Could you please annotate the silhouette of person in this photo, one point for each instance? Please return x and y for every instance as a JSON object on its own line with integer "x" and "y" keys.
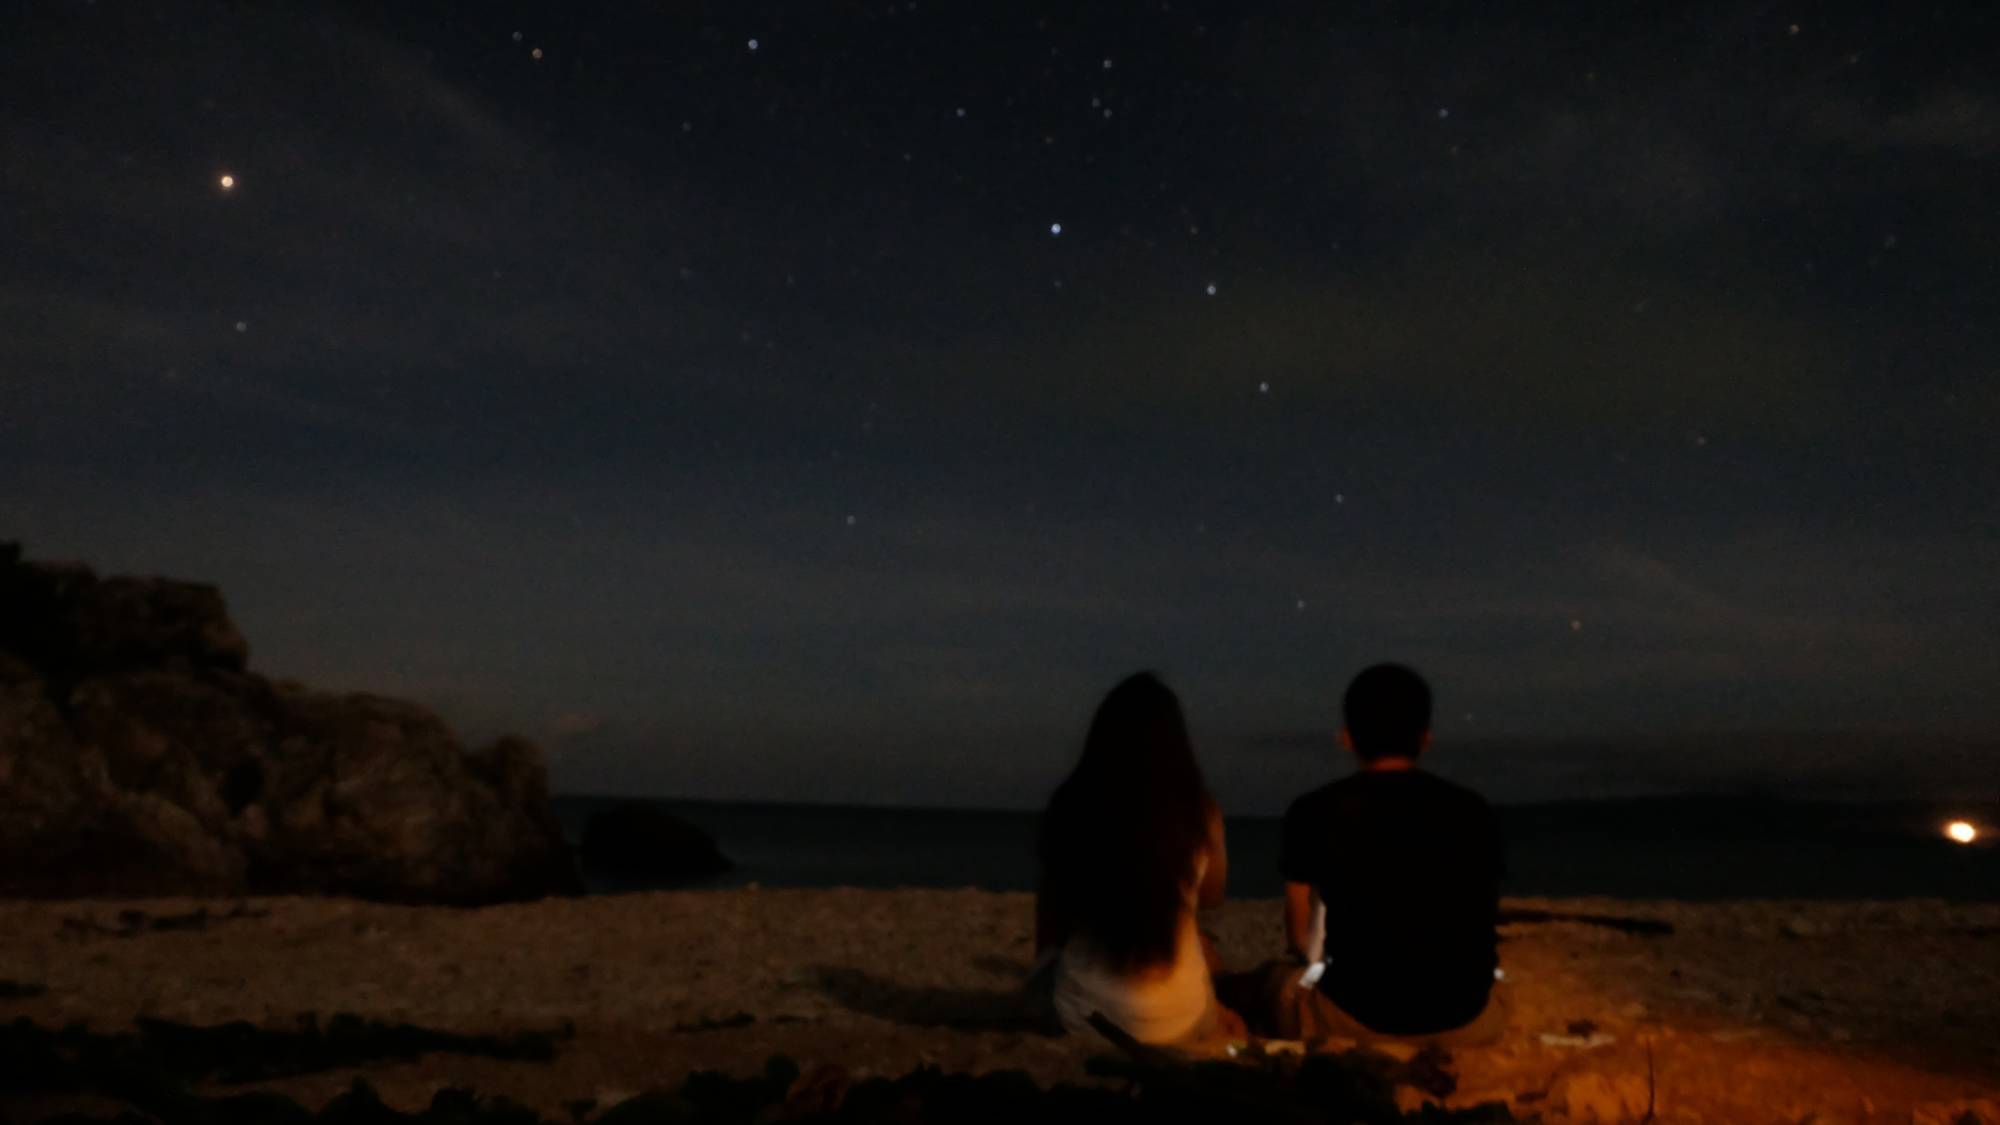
{"x": 1392, "y": 889}
{"x": 1131, "y": 846}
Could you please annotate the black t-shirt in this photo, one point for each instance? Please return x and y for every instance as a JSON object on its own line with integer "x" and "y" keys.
{"x": 1409, "y": 867}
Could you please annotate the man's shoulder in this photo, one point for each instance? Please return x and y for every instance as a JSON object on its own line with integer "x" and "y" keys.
{"x": 1365, "y": 788}
{"x": 1444, "y": 793}
{"x": 1313, "y": 800}
{"x": 1452, "y": 788}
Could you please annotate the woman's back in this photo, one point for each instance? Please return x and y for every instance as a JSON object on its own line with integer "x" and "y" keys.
{"x": 1131, "y": 845}
{"x": 1158, "y": 1002}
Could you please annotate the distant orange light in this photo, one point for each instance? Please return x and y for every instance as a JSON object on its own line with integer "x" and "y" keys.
{"x": 1961, "y": 831}
{"x": 227, "y": 181}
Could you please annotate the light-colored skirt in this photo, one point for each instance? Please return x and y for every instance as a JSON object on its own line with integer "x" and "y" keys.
{"x": 1158, "y": 1006}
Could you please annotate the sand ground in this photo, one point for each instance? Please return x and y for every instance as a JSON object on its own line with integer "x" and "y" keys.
{"x": 1747, "y": 1012}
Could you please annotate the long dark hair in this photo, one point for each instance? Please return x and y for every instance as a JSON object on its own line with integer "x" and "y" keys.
{"x": 1118, "y": 839}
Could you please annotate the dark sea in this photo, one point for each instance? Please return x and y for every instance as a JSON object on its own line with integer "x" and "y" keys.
{"x": 1690, "y": 848}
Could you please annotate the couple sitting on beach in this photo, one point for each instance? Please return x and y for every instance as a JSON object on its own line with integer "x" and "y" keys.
{"x": 1391, "y": 887}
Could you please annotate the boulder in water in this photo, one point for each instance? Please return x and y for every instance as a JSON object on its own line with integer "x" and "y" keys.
{"x": 643, "y": 842}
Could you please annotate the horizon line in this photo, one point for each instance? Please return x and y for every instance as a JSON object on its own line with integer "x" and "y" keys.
{"x": 1759, "y": 797}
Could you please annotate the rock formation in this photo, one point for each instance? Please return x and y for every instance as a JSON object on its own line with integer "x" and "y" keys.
{"x": 633, "y": 840}
{"x": 139, "y": 756}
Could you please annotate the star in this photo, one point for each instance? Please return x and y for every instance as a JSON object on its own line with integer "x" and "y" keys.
{"x": 1055, "y": 230}
{"x": 227, "y": 181}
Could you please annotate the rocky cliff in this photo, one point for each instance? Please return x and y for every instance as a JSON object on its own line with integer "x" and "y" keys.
{"x": 140, "y": 756}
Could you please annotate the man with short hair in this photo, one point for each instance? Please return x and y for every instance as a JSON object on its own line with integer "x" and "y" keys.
{"x": 1406, "y": 867}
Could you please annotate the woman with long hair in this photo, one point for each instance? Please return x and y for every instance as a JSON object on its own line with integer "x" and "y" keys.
{"x": 1131, "y": 846}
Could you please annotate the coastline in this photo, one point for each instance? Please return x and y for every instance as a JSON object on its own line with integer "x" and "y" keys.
{"x": 1746, "y": 1011}
{"x": 1684, "y": 848}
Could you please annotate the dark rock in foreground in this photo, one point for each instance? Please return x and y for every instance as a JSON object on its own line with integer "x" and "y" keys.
{"x": 139, "y": 757}
{"x": 637, "y": 841}
{"x": 155, "y": 1072}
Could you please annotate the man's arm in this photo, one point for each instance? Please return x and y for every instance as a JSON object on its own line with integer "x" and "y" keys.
{"x": 1299, "y": 919}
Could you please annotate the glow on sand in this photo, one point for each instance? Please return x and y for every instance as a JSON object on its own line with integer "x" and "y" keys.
{"x": 1961, "y": 831}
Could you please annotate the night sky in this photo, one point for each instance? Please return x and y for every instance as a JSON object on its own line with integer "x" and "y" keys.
{"x": 831, "y": 401}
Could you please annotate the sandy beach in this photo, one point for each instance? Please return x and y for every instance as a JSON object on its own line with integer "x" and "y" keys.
{"x": 1745, "y": 1012}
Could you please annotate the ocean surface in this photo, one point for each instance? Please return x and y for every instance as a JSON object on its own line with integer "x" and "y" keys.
{"x": 1691, "y": 848}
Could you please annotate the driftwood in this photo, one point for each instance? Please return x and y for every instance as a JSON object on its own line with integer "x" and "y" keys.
{"x": 132, "y": 923}
{"x": 1644, "y": 927}
{"x": 726, "y": 1023}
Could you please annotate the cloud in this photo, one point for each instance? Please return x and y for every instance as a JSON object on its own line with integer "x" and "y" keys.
{"x": 1319, "y": 742}
{"x": 1958, "y": 122}
{"x": 576, "y": 726}
{"x": 392, "y": 261}
{"x": 764, "y": 634}
{"x": 1535, "y": 341}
